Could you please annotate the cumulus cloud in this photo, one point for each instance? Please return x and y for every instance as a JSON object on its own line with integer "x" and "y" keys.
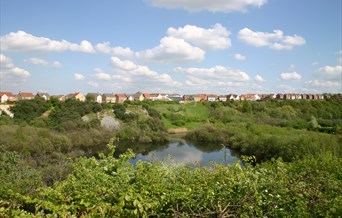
{"x": 330, "y": 72}
{"x": 99, "y": 74}
{"x": 44, "y": 63}
{"x": 22, "y": 41}
{"x": 239, "y": 57}
{"x": 319, "y": 86}
{"x": 172, "y": 50}
{"x": 78, "y": 76}
{"x": 129, "y": 74}
{"x": 187, "y": 44}
{"x": 290, "y": 76}
{"x": 212, "y": 38}
{"x": 212, "y": 79}
{"x": 123, "y": 64}
{"x": 276, "y": 40}
{"x": 10, "y": 73}
{"x": 116, "y": 51}
{"x": 225, "y": 6}
{"x": 259, "y": 78}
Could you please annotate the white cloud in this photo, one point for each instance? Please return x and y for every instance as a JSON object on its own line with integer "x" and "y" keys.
{"x": 214, "y": 79}
{"x": 290, "y": 76}
{"x": 210, "y": 5}
{"x": 22, "y": 41}
{"x": 330, "y": 72}
{"x": 219, "y": 73}
{"x": 99, "y": 74}
{"x": 212, "y": 38}
{"x": 239, "y": 57}
{"x": 318, "y": 86}
{"x": 276, "y": 40}
{"x": 259, "y": 78}
{"x": 94, "y": 84}
{"x": 128, "y": 74}
{"x": 10, "y": 73}
{"x": 44, "y": 63}
{"x": 78, "y": 76}
{"x": 172, "y": 50}
{"x": 117, "y": 51}
{"x": 123, "y": 64}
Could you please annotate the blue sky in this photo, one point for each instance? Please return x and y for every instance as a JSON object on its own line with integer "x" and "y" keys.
{"x": 171, "y": 46}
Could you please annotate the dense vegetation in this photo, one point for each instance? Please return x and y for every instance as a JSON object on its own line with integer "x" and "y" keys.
{"x": 51, "y": 166}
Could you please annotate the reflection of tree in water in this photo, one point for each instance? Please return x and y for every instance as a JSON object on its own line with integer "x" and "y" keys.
{"x": 205, "y": 147}
{"x": 139, "y": 148}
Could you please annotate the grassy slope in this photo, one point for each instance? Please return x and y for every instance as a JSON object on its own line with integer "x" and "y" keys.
{"x": 196, "y": 113}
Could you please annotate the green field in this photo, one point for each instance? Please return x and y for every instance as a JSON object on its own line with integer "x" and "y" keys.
{"x": 194, "y": 114}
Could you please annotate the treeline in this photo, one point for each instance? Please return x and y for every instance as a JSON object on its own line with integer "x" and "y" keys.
{"x": 53, "y": 114}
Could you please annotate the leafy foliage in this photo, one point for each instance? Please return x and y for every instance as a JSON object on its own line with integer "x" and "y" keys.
{"x": 110, "y": 187}
{"x": 27, "y": 110}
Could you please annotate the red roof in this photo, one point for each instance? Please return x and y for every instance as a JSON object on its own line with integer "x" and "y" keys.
{"x": 146, "y": 95}
{"x": 26, "y": 94}
{"x": 9, "y": 94}
{"x": 121, "y": 95}
{"x": 154, "y": 95}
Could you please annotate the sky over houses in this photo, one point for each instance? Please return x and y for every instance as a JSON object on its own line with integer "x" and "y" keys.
{"x": 175, "y": 46}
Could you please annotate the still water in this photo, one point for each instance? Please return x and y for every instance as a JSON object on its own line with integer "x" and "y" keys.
{"x": 181, "y": 151}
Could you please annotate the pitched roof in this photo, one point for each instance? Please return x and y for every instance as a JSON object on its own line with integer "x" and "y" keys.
{"x": 26, "y": 94}
{"x": 9, "y": 94}
{"x": 110, "y": 95}
{"x": 92, "y": 93}
{"x": 43, "y": 93}
{"x": 121, "y": 95}
{"x": 147, "y": 95}
{"x": 72, "y": 95}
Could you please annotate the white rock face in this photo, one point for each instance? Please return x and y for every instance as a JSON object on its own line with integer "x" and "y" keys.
{"x": 109, "y": 123}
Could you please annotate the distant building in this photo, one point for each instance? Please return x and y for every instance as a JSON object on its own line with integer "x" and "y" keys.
{"x": 7, "y": 97}
{"x": 233, "y": 97}
{"x": 59, "y": 97}
{"x": 199, "y": 97}
{"x": 211, "y": 97}
{"x": 43, "y": 95}
{"x": 98, "y": 97}
{"x": 76, "y": 96}
{"x": 25, "y": 96}
{"x": 120, "y": 98}
{"x": 250, "y": 97}
{"x": 108, "y": 98}
{"x": 136, "y": 97}
{"x": 222, "y": 98}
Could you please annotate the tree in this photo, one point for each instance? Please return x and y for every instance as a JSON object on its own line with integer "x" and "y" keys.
{"x": 90, "y": 97}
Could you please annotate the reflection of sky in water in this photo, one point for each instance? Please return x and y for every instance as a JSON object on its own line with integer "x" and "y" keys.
{"x": 185, "y": 153}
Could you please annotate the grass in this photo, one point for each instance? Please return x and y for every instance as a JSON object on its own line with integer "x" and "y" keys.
{"x": 195, "y": 113}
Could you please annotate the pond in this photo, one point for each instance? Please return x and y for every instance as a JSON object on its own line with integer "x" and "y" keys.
{"x": 181, "y": 151}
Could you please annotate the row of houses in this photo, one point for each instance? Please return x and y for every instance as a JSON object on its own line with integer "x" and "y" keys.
{"x": 121, "y": 97}
{"x": 251, "y": 97}
{"x": 100, "y": 98}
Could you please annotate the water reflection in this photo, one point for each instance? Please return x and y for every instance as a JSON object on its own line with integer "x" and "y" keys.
{"x": 181, "y": 151}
